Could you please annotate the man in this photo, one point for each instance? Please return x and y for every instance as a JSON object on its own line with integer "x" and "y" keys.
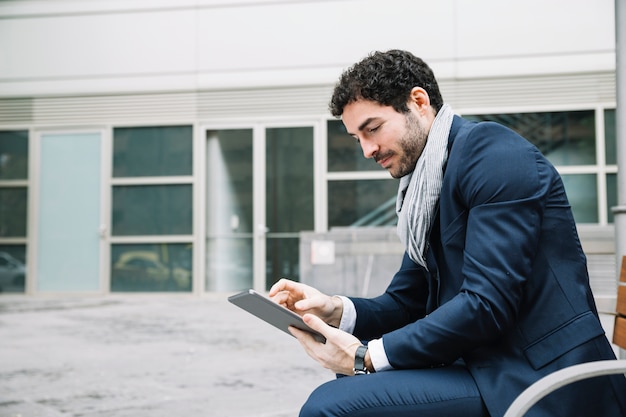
{"x": 493, "y": 291}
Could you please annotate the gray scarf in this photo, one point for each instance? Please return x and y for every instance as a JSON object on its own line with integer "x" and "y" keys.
{"x": 420, "y": 189}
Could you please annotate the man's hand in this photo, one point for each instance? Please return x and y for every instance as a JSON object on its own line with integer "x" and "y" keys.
{"x": 303, "y": 299}
{"x": 337, "y": 354}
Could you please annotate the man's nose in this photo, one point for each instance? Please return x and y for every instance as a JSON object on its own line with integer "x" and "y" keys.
{"x": 369, "y": 148}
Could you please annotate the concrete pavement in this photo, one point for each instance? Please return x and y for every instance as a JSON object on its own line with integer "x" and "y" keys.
{"x": 156, "y": 356}
{"x": 137, "y": 355}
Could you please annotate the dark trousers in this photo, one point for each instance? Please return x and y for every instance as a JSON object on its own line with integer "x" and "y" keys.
{"x": 446, "y": 392}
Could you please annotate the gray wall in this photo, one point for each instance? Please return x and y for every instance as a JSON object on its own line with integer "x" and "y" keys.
{"x": 365, "y": 259}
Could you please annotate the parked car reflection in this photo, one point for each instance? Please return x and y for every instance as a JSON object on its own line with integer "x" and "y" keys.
{"x": 144, "y": 271}
{"x": 12, "y": 273}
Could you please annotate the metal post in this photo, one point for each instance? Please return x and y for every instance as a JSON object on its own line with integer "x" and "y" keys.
{"x": 620, "y": 131}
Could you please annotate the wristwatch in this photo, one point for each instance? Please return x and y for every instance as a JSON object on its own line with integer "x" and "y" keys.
{"x": 359, "y": 361}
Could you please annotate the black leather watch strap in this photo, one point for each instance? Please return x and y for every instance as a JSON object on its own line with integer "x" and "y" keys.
{"x": 359, "y": 361}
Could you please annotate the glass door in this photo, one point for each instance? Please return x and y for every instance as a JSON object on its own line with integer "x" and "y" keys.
{"x": 69, "y": 220}
{"x": 290, "y": 199}
{"x": 259, "y": 197}
{"x": 229, "y": 208}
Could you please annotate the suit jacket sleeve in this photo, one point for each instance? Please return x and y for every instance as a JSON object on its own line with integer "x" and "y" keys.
{"x": 403, "y": 302}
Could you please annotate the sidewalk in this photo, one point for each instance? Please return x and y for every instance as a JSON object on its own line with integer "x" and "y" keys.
{"x": 152, "y": 356}
{"x": 156, "y": 356}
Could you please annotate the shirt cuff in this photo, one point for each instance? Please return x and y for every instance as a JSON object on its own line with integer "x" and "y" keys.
{"x": 380, "y": 362}
{"x": 348, "y": 318}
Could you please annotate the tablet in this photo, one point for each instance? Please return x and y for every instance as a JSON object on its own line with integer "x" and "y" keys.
{"x": 271, "y": 312}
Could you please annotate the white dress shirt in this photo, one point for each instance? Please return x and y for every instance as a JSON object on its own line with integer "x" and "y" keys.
{"x": 375, "y": 347}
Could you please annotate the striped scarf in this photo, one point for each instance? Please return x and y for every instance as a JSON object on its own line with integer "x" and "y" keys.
{"x": 420, "y": 189}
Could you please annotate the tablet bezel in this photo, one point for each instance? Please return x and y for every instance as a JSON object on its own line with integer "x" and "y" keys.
{"x": 271, "y": 312}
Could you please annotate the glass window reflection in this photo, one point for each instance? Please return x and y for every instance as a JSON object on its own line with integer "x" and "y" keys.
{"x": 13, "y": 154}
{"x": 151, "y": 267}
{"x": 13, "y": 209}
{"x": 289, "y": 181}
{"x": 283, "y": 260}
{"x": 362, "y": 203}
{"x": 289, "y": 201}
{"x": 582, "y": 192}
{"x": 229, "y": 247}
{"x": 344, "y": 153}
{"x": 565, "y": 138}
{"x": 229, "y": 181}
{"x": 229, "y": 263}
{"x": 611, "y": 195}
{"x": 152, "y": 151}
{"x": 12, "y": 268}
{"x": 610, "y": 142}
{"x": 152, "y": 210}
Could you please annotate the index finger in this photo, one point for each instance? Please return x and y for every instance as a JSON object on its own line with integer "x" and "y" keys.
{"x": 282, "y": 285}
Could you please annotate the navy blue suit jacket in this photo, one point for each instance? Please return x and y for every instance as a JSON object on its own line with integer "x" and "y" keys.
{"x": 507, "y": 289}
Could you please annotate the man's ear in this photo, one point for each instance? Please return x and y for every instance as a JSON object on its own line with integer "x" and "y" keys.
{"x": 419, "y": 99}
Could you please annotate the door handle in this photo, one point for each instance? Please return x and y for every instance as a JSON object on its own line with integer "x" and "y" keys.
{"x": 262, "y": 230}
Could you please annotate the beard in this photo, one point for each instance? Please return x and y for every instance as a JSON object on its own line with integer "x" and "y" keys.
{"x": 412, "y": 145}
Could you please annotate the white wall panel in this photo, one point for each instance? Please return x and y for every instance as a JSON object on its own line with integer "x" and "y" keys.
{"x": 496, "y": 28}
{"x": 135, "y": 46}
{"x": 502, "y": 38}
{"x": 105, "y": 45}
{"x": 320, "y": 34}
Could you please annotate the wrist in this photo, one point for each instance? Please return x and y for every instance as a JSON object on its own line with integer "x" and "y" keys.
{"x": 369, "y": 366}
{"x": 337, "y": 313}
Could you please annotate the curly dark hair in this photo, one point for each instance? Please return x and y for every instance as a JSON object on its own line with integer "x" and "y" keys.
{"x": 386, "y": 78}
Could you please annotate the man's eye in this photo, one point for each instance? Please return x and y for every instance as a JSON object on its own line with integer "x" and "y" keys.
{"x": 372, "y": 129}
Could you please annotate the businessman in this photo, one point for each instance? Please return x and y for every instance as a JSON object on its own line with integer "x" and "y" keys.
{"x": 493, "y": 291}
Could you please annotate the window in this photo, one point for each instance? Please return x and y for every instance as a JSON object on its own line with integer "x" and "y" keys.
{"x": 13, "y": 202}
{"x": 152, "y": 151}
{"x": 12, "y": 268}
{"x": 13, "y": 209}
{"x": 289, "y": 198}
{"x": 230, "y": 207}
{"x": 151, "y": 267}
{"x": 568, "y": 140}
{"x": 358, "y": 203}
{"x": 152, "y": 209}
{"x": 565, "y": 138}
{"x": 289, "y": 179}
{"x": 582, "y": 193}
{"x": 610, "y": 152}
{"x": 344, "y": 153}
{"x": 360, "y": 193}
{"x": 610, "y": 137}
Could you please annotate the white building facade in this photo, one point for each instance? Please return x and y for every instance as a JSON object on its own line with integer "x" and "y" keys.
{"x": 186, "y": 146}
